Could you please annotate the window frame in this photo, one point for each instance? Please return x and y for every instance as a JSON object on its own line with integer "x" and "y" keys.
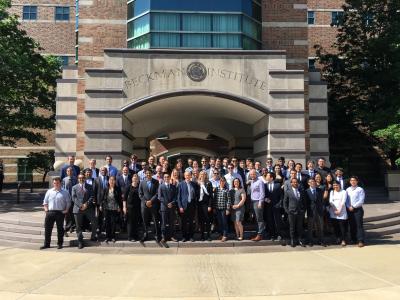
{"x": 62, "y": 14}
{"x": 309, "y": 18}
{"x": 29, "y": 13}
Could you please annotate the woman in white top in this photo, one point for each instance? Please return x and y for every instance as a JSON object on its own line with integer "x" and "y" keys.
{"x": 337, "y": 212}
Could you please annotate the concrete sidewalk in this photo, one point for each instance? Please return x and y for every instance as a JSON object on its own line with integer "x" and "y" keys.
{"x": 349, "y": 273}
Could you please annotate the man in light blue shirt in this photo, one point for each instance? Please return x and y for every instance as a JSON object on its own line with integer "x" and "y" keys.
{"x": 354, "y": 203}
{"x": 112, "y": 171}
{"x": 56, "y": 204}
{"x": 257, "y": 195}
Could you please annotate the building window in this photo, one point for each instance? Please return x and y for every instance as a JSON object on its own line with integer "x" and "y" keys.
{"x": 311, "y": 17}
{"x": 62, "y": 13}
{"x": 64, "y": 60}
{"x": 29, "y": 12}
{"x": 311, "y": 64}
{"x": 337, "y": 18}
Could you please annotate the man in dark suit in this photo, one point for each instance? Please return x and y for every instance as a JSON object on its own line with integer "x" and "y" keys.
{"x": 124, "y": 180}
{"x": 82, "y": 199}
{"x": 92, "y": 167}
{"x": 301, "y": 177}
{"x": 134, "y": 166}
{"x": 315, "y": 212}
{"x": 187, "y": 199}
{"x": 237, "y": 169}
{"x": 294, "y": 203}
{"x": 310, "y": 172}
{"x": 167, "y": 195}
{"x": 148, "y": 189}
{"x": 75, "y": 169}
{"x": 339, "y": 177}
{"x": 100, "y": 185}
{"x": 273, "y": 207}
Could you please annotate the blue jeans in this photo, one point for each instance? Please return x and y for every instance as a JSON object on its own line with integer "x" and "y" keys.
{"x": 222, "y": 221}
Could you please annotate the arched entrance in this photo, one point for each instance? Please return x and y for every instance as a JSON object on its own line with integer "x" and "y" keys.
{"x": 197, "y": 121}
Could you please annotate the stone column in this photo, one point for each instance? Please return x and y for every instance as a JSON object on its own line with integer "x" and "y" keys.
{"x": 66, "y": 110}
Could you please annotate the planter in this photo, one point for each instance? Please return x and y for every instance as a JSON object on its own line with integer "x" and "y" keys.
{"x": 392, "y": 183}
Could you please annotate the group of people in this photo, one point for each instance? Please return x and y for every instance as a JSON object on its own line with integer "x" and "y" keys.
{"x": 213, "y": 195}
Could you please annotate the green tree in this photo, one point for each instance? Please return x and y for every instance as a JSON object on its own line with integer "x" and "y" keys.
{"x": 363, "y": 72}
{"x": 27, "y": 84}
{"x": 41, "y": 162}
{"x": 389, "y": 138}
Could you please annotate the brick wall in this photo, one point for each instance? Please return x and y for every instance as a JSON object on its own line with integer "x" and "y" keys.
{"x": 102, "y": 24}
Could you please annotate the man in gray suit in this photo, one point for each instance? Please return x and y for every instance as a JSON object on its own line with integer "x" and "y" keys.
{"x": 82, "y": 199}
{"x": 294, "y": 203}
{"x": 148, "y": 190}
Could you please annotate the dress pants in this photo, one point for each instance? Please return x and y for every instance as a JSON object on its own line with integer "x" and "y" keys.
{"x": 147, "y": 213}
{"x": 79, "y": 217}
{"x": 259, "y": 213}
{"x": 69, "y": 220}
{"x": 111, "y": 220}
{"x": 278, "y": 223}
{"x": 168, "y": 217}
{"x": 187, "y": 221}
{"x": 340, "y": 228}
{"x": 296, "y": 225}
{"x": 132, "y": 220}
{"x": 204, "y": 218}
{"x": 222, "y": 222}
{"x": 269, "y": 219}
{"x": 54, "y": 216}
{"x": 356, "y": 224}
{"x": 315, "y": 221}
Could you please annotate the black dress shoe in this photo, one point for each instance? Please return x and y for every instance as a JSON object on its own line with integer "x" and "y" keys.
{"x": 292, "y": 244}
{"x": 192, "y": 240}
{"x": 184, "y": 240}
{"x": 203, "y": 238}
{"x": 310, "y": 244}
{"x": 209, "y": 237}
{"x": 59, "y": 246}
{"x": 44, "y": 247}
{"x": 80, "y": 246}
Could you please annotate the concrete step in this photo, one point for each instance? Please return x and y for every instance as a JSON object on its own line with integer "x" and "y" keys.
{"x": 382, "y": 217}
{"x": 382, "y": 223}
{"x": 28, "y": 223}
{"x": 380, "y": 232}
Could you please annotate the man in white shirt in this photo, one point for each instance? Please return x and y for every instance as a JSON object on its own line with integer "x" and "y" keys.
{"x": 355, "y": 202}
{"x": 230, "y": 176}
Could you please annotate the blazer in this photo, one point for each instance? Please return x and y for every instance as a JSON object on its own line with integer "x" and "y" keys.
{"x": 207, "y": 199}
{"x": 315, "y": 203}
{"x": 276, "y": 196}
{"x": 292, "y": 205}
{"x": 80, "y": 196}
{"x": 145, "y": 194}
{"x": 99, "y": 190}
{"x": 75, "y": 171}
{"x": 183, "y": 194}
{"x": 122, "y": 184}
{"x": 132, "y": 197}
{"x": 134, "y": 169}
{"x": 167, "y": 195}
{"x": 117, "y": 196}
{"x": 67, "y": 183}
